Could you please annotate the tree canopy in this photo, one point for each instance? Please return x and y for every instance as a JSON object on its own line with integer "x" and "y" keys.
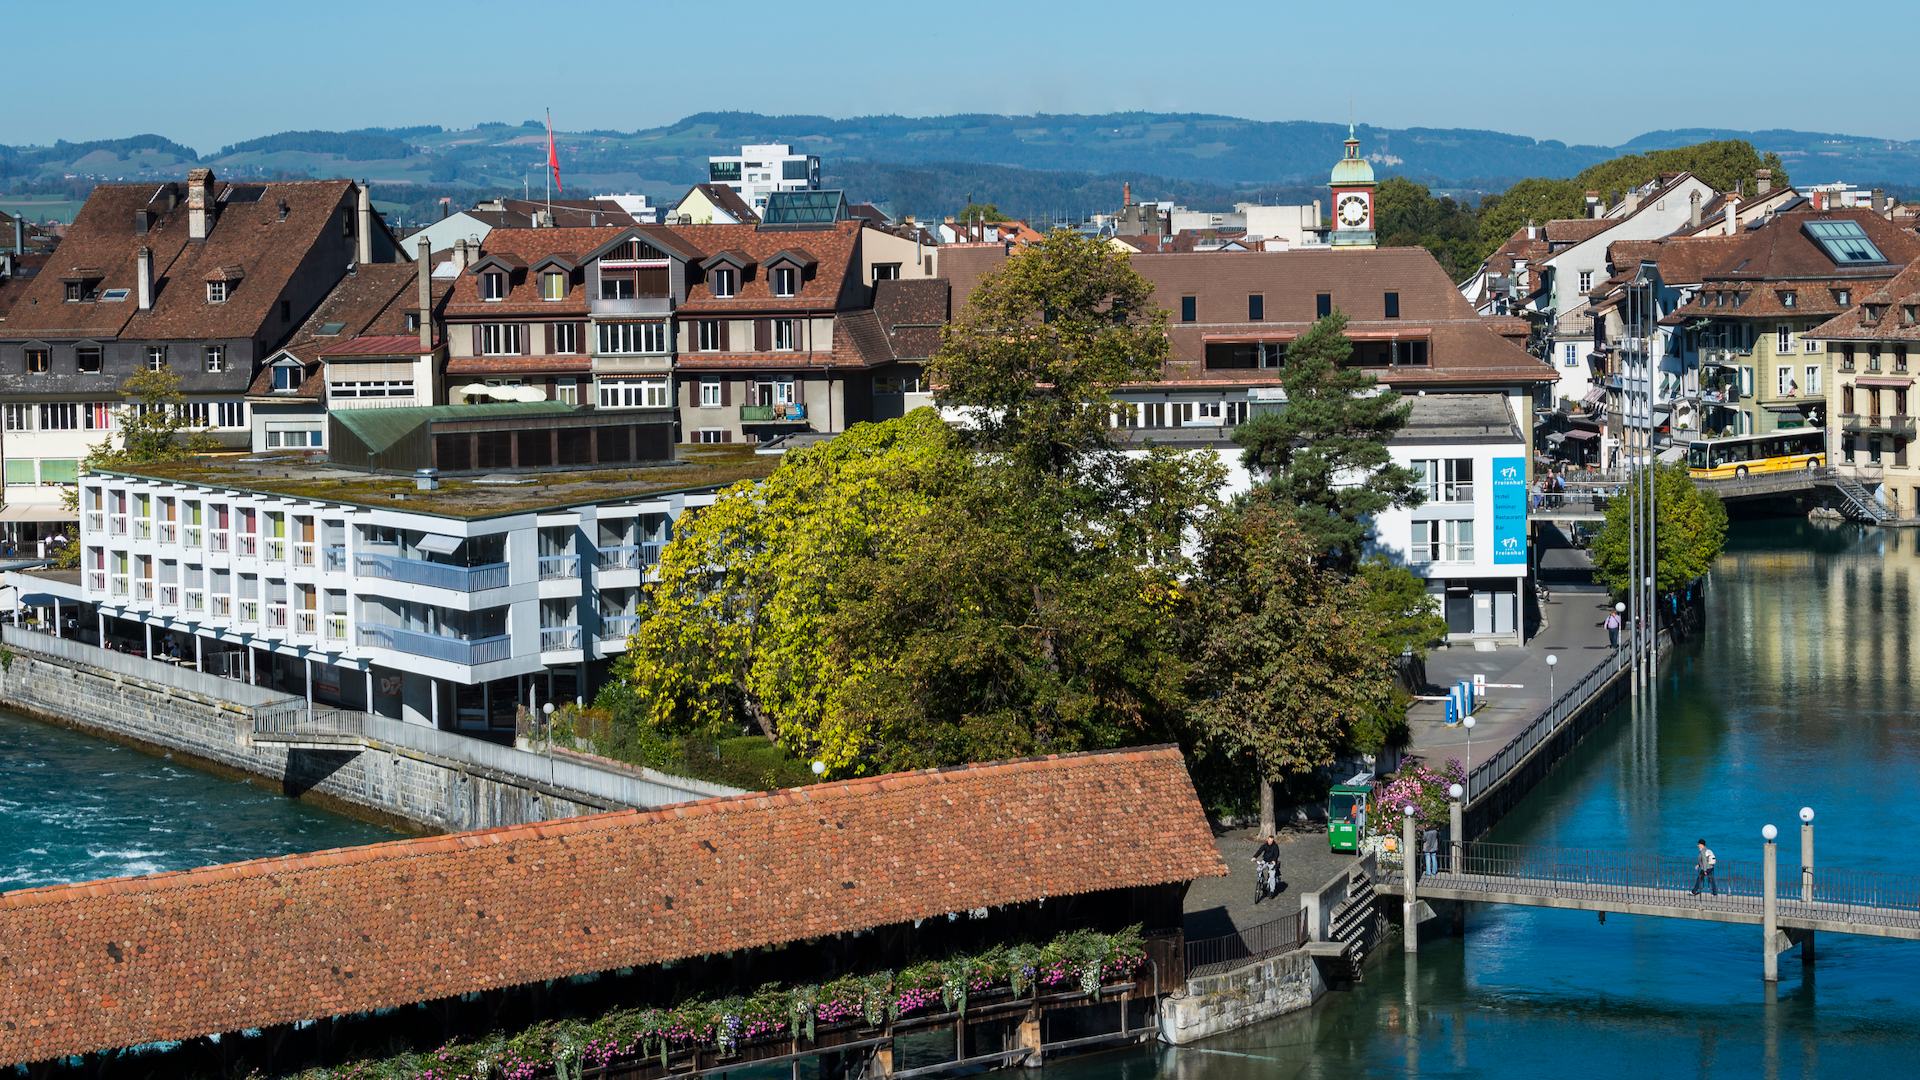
{"x": 1690, "y": 530}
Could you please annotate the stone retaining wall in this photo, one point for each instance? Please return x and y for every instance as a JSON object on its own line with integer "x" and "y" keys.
{"x": 1233, "y": 999}
{"x": 393, "y": 787}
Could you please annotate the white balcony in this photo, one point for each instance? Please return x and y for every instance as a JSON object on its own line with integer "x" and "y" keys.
{"x": 466, "y": 579}
{"x": 437, "y": 647}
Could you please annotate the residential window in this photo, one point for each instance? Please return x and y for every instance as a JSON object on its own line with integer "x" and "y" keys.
{"x": 567, "y": 391}
{"x": 286, "y": 378}
{"x": 231, "y": 414}
{"x": 156, "y": 357}
{"x": 19, "y": 417}
{"x": 216, "y": 356}
{"x": 722, "y": 279}
{"x": 1189, "y": 308}
{"x": 709, "y": 332}
{"x": 1586, "y": 281}
{"x": 783, "y": 334}
{"x": 1459, "y": 540}
{"x": 786, "y": 278}
{"x": 616, "y": 285}
{"x": 1393, "y": 305}
{"x": 715, "y": 435}
{"x": 1322, "y": 305}
{"x": 553, "y": 286}
{"x": 566, "y": 337}
{"x": 633, "y": 337}
{"x": 1845, "y": 297}
{"x": 39, "y": 360}
{"x": 87, "y": 359}
{"x": 75, "y": 292}
{"x": 195, "y": 413}
{"x": 1784, "y": 342}
{"x": 1783, "y": 381}
{"x": 493, "y": 286}
{"x": 500, "y": 339}
{"x": 709, "y": 394}
{"x": 1571, "y": 357}
{"x": 98, "y": 415}
{"x": 886, "y": 271}
{"x": 634, "y": 394}
{"x": 1445, "y": 479}
{"x": 1812, "y": 373}
{"x": 59, "y": 416}
{"x": 216, "y": 292}
{"x": 1846, "y": 399}
{"x": 904, "y": 381}
{"x": 1256, "y": 307}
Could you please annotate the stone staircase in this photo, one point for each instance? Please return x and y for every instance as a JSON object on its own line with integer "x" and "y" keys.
{"x": 1351, "y": 926}
{"x": 1859, "y": 503}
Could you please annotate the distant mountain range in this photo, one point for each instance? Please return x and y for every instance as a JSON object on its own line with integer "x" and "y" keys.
{"x": 1028, "y": 164}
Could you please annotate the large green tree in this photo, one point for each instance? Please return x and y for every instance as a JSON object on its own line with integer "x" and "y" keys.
{"x": 1286, "y": 665}
{"x": 1324, "y": 454}
{"x": 1690, "y": 531}
{"x": 1538, "y": 200}
{"x": 1725, "y": 164}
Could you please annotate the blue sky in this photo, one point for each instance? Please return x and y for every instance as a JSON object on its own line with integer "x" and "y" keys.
{"x": 212, "y": 73}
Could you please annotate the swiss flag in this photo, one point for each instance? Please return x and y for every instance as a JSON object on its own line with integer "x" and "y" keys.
{"x": 553, "y": 155}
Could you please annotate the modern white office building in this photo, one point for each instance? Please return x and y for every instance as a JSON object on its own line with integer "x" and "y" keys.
{"x": 758, "y": 171}
{"x": 446, "y": 607}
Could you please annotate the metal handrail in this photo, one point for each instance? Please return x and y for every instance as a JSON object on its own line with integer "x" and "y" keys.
{"x": 437, "y": 647}
{"x": 559, "y": 567}
{"x": 1211, "y": 956}
{"x": 1483, "y": 776}
{"x": 431, "y": 574}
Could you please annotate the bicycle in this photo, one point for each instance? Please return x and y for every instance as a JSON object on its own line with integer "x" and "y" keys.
{"x": 1266, "y": 880}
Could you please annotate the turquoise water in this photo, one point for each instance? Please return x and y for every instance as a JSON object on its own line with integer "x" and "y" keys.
{"x": 1801, "y": 692}
{"x": 75, "y": 808}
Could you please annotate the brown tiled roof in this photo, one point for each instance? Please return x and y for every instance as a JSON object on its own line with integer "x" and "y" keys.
{"x": 1897, "y": 297}
{"x": 1780, "y": 256}
{"x": 913, "y": 310}
{"x": 373, "y": 300}
{"x": 376, "y": 345}
{"x": 101, "y": 236}
{"x": 1567, "y": 231}
{"x": 560, "y": 364}
{"x": 860, "y": 341}
{"x": 756, "y": 361}
{"x": 571, "y": 213}
{"x": 526, "y": 247}
{"x": 226, "y": 948}
{"x": 825, "y": 288}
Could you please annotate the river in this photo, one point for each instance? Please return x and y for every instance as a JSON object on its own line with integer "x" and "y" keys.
{"x": 1800, "y": 692}
{"x": 76, "y": 808}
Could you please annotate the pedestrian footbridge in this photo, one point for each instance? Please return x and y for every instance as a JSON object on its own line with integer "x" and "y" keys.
{"x": 1789, "y": 903}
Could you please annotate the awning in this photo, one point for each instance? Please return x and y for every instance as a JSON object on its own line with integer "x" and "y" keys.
{"x": 440, "y": 545}
{"x": 1576, "y": 433}
{"x": 1788, "y": 406}
{"x": 38, "y": 512}
{"x": 1672, "y": 454}
{"x": 1883, "y": 382}
{"x": 1595, "y": 396}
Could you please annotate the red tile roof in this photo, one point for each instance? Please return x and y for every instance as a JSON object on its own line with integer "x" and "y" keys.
{"x": 828, "y": 286}
{"x": 376, "y": 345}
{"x": 174, "y": 956}
{"x": 1894, "y": 301}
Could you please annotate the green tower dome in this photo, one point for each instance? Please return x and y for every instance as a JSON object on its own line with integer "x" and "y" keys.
{"x": 1352, "y": 170}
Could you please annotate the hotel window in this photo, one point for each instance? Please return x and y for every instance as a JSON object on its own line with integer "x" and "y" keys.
{"x": 783, "y": 334}
{"x": 493, "y": 286}
{"x": 1189, "y": 308}
{"x": 709, "y": 331}
{"x": 1322, "y": 305}
{"x": 722, "y": 279}
{"x": 1571, "y": 357}
{"x": 87, "y": 359}
{"x": 216, "y": 358}
{"x": 1256, "y": 307}
{"x": 553, "y": 286}
{"x": 156, "y": 357}
{"x": 216, "y": 292}
{"x": 786, "y": 277}
{"x": 566, "y": 337}
{"x": 39, "y": 360}
{"x": 1459, "y": 540}
{"x": 500, "y": 339}
{"x": 1393, "y": 305}
{"x": 59, "y": 416}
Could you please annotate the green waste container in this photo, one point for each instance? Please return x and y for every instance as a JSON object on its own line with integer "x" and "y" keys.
{"x": 1347, "y": 807}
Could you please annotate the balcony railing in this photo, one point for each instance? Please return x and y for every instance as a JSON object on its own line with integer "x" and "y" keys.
{"x": 196, "y": 600}
{"x": 436, "y": 647}
{"x": 119, "y": 586}
{"x": 559, "y": 567}
{"x": 277, "y": 616}
{"x": 764, "y": 414}
{"x": 119, "y": 524}
{"x": 336, "y": 560}
{"x": 246, "y": 545}
{"x": 97, "y": 580}
{"x": 305, "y": 622}
{"x": 618, "y": 627}
{"x": 1888, "y": 425}
{"x": 559, "y": 638}
{"x": 336, "y": 628}
{"x": 168, "y": 534}
{"x": 193, "y": 534}
{"x": 632, "y": 305}
{"x": 170, "y": 596}
{"x": 96, "y": 521}
{"x": 276, "y": 549}
{"x": 142, "y": 529}
{"x": 249, "y": 611}
{"x": 217, "y": 541}
{"x": 143, "y": 589}
{"x": 222, "y": 607}
{"x": 303, "y": 554}
{"x": 433, "y": 575}
{"x": 620, "y": 558}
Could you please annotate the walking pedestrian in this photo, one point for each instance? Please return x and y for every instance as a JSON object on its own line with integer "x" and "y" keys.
{"x": 1705, "y": 871}
{"x": 1613, "y": 629}
{"x": 1430, "y": 847}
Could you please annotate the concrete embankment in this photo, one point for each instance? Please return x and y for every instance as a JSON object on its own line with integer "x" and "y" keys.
{"x": 415, "y": 780}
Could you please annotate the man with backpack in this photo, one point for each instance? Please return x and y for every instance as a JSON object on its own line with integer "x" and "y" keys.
{"x": 1705, "y": 872}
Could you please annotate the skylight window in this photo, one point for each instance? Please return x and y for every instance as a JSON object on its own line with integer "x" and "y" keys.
{"x": 1845, "y": 242}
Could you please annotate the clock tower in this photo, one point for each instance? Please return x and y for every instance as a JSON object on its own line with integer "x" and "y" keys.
{"x": 1352, "y": 185}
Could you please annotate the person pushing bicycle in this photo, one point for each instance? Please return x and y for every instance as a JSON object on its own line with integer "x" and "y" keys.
{"x": 1266, "y": 861}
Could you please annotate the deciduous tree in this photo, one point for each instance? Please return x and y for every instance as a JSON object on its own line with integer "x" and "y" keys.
{"x": 1690, "y": 530}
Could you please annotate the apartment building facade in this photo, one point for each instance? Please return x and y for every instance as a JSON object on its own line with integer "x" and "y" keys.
{"x": 760, "y": 170}
{"x": 1873, "y": 348}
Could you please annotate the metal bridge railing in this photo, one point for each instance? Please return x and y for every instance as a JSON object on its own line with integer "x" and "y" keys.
{"x": 1491, "y": 770}
{"x": 1211, "y": 956}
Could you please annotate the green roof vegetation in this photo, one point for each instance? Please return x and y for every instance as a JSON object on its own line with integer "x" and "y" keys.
{"x": 698, "y": 468}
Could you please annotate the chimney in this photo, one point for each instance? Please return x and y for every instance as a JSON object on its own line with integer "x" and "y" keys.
{"x": 173, "y": 195}
{"x": 1763, "y": 181}
{"x": 1533, "y": 231}
{"x": 1878, "y": 200}
{"x": 1733, "y": 216}
{"x": 199, "y": 203}
{"x": 283, "y": 209}
{"x": 19, "y": 236}
{"x": 459, "y": 256}
{"x": 363, "y": 248}
{"x": 143, "y": 263}
{"x": 1126, "y": 193}
{"x": 426, "y": 295}
{"x": 1593, "y": 204}
{"x": 1632, "y": 199}
{"x": 1694, "y": 217}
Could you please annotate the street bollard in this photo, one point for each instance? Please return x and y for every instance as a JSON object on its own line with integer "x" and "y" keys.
{"x": 1769, "y": 904}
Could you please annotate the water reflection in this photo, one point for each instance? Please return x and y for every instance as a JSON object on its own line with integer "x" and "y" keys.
{"x": 1798, "y": 693}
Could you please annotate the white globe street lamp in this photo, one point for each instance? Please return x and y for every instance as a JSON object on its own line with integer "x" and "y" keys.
{"x": 1768, "y": 832}
{"x": 819, "y": 768}
{"x": 1552, "y": 662}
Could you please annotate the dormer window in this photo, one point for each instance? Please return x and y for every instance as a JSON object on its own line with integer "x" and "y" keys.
{"x": 1845, "y": 297}
{"x": 493, "y": 285}
{"x": 286, "y": 378}
{"x": 1873, "y": 312}
{"x": 553, "y": 286}
{"x": 722, "y": 280}
{"x": 75, "y": 292}
{"x": 413, "y": 321}
{"x": 786, "y": 281}
{"x": 1789, "y": 299}
{"x": 216, "y": 292}
{"x": 1739, "y": 299}
{"x": 1906, "y": 313}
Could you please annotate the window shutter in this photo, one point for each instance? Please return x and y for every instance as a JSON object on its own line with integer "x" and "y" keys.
{"x": 726, "y": 392}
{"x": 546, "y": 330}
{"x": 579, "y": 337}
{"x": 550, "y": 389}
{"x": 762, "y": 335}
{"x": 476, "y": 339}
{"x": 726, "y": 335}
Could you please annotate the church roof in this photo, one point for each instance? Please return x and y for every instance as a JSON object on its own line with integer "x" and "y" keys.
{"x": 1352, "y": 169}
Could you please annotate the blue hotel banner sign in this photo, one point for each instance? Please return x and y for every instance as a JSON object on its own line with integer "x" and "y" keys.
{"x": 1510, "y": 510}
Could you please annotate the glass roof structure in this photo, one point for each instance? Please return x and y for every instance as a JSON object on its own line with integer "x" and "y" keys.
{"x": 1845, "y": 242}
{"x": 805, "y": 208}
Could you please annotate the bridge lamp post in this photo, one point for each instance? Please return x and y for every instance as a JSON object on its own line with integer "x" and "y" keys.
{"x": 1411, "y": 914}
{"x": 1769, "y": 904}
{"x": 1468, "y": 723}
{"x": 1456, "y": 812}
{"x": 1806, "y": 876}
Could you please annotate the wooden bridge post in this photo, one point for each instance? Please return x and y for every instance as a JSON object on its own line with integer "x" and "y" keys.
{"x": 1027, "y": 1037}
{"x": 1770, "y": 906}
{"x": 1409, "y": 871}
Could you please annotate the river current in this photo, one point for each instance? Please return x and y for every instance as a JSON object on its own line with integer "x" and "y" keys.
{"x": 75, "y": 808}
{"x": 1800, "y": 692}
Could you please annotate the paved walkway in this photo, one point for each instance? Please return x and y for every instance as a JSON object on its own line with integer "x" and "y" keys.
{"x": 1219, "y": 906}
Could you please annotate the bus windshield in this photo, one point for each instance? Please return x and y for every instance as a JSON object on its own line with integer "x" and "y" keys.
{"x": 1697, "y": 456}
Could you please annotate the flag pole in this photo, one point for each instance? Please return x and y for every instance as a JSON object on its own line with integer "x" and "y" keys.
{"x": 554, "y": 165}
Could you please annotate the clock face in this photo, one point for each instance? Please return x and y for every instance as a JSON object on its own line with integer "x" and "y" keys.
{"x": 1353, "y": 211}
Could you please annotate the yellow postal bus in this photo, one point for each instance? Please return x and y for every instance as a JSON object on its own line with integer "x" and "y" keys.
{"x": 1738, "y": 455}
